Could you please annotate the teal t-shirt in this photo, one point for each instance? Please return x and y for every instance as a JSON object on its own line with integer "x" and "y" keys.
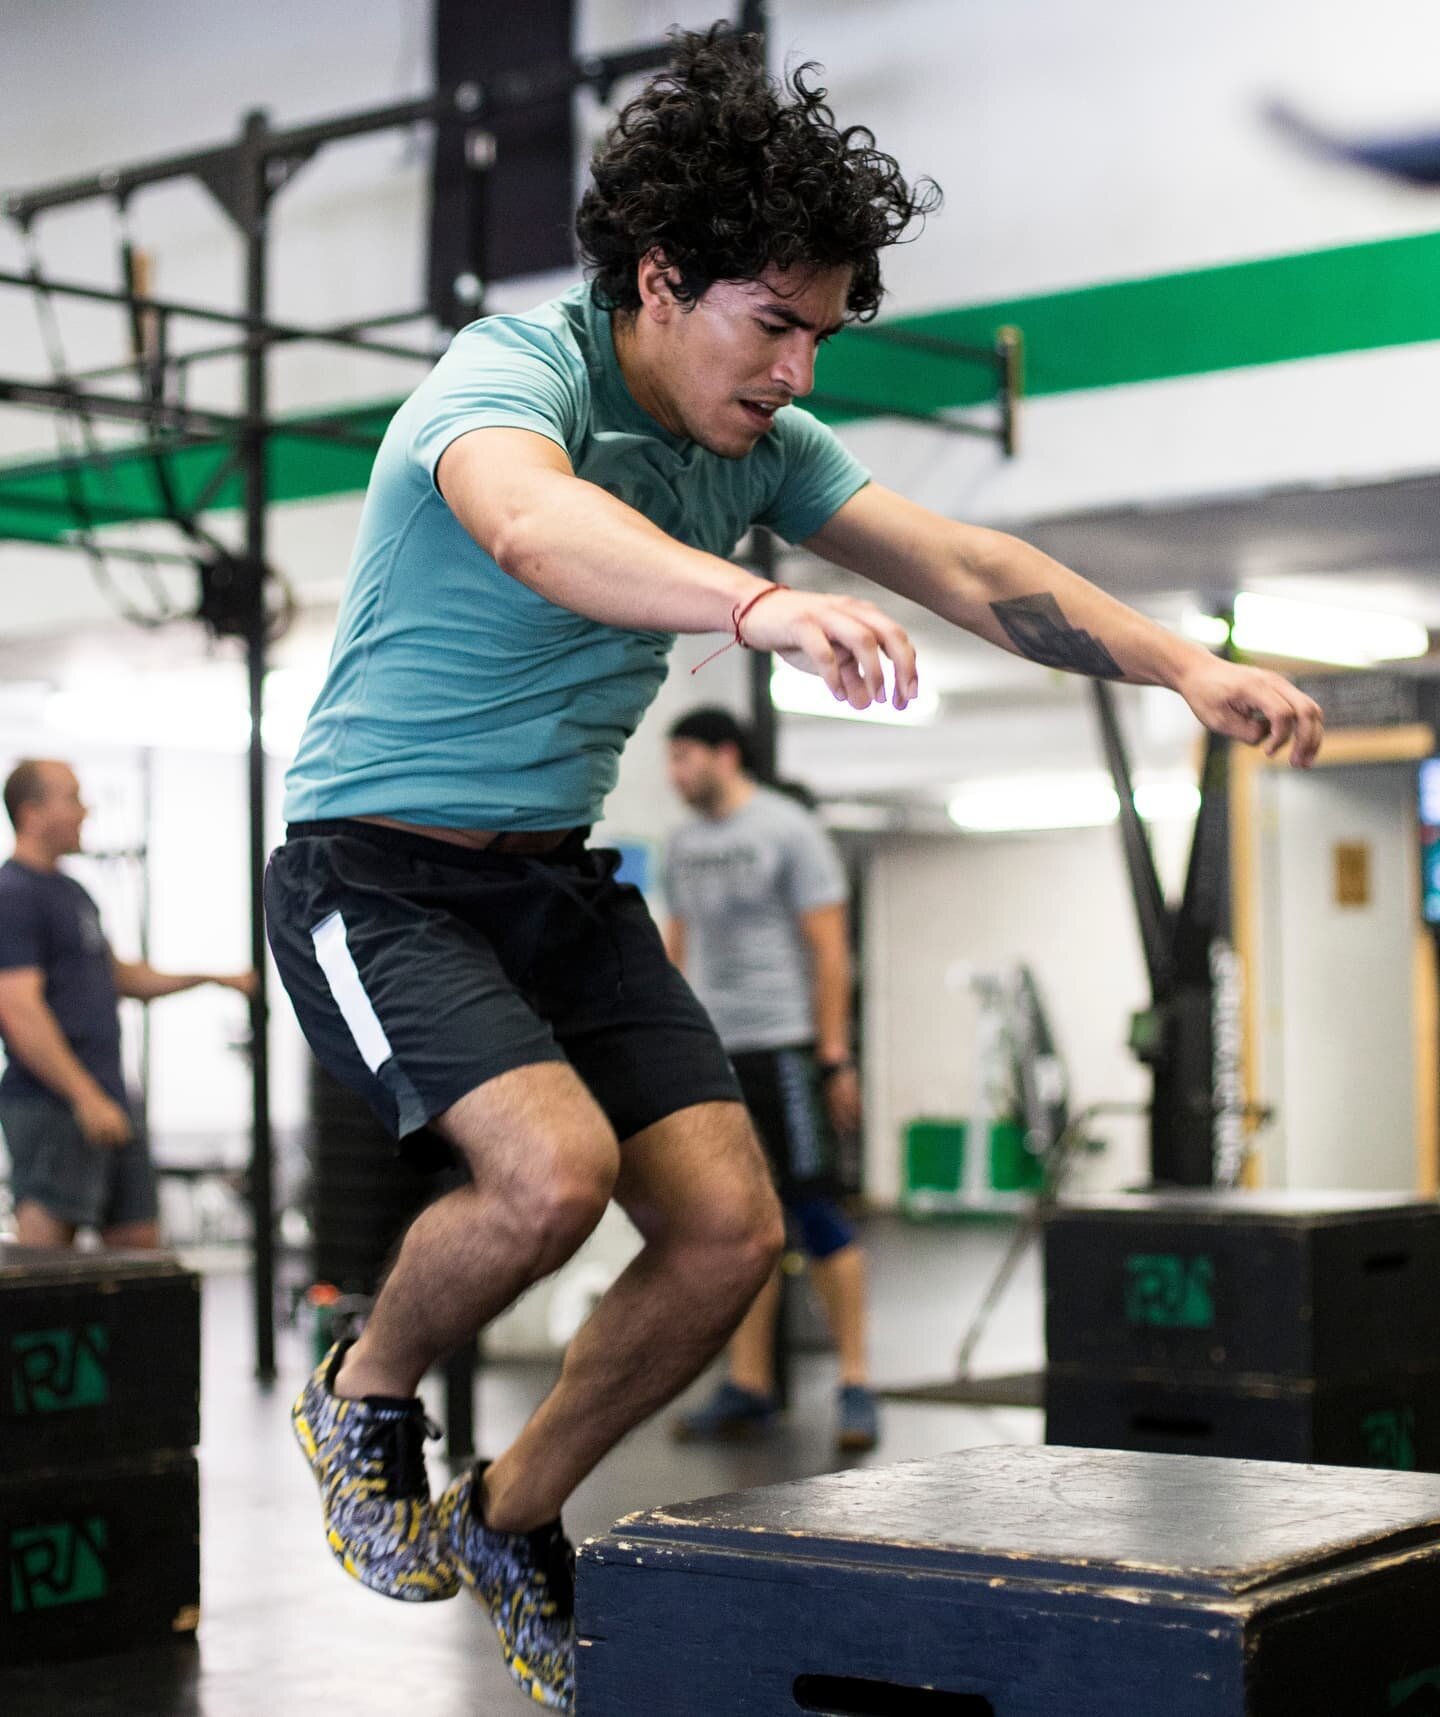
{"x": 457, "y": 697}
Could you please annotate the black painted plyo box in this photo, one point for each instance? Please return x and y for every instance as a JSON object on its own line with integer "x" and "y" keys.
{"x": 1279, "y": 1284}
{"x": 100, "y": 1558}
{"x": 99, "y": 1356}
{"x": 1390, "y": 1421}
{"x": 1023, "y": 1582}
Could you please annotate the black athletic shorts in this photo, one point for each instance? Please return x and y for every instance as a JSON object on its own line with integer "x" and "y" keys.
{"x": 420, "y": 969}
{"x": 783, "y": 1093}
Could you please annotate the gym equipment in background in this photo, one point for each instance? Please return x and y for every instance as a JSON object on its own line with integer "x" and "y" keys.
{"x": 1019, "y": 1110}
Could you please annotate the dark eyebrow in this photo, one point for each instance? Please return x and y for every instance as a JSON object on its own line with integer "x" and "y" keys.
{"x": 783, "y": 313}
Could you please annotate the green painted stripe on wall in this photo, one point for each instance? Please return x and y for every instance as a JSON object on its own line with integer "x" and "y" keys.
{"x": 1354, "y": 298}
{"x": 34, "y": 497}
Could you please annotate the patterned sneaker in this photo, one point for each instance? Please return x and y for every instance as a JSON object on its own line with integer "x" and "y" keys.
{"x": 369, "y": 1460}
{"x": 857, "y": 1426}
{"x": 525, "y": 1582}
{"x": 731, "y": 1415}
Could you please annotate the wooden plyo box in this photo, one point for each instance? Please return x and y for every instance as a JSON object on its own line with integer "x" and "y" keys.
{"x": 100, "y": 1558}
{"x": 1277, "y": 1284}
{"x": 1391, "y": 1420}
{"x": 1024, "y": 1582}
{"x": 99, "y": 1356}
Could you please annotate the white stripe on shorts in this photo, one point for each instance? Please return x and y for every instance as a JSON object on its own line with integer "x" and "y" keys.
{"x": 338, "y": 964}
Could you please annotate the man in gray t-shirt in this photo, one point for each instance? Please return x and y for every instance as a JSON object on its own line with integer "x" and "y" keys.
{"x": 756, "y": 895}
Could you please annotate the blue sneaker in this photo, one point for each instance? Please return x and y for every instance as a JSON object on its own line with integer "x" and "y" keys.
{"x": 857, "y": 1428}
{"x": 368, "y": 1458}
{"x": 524, "y": 1581}
{"x": 731, "y": 1415}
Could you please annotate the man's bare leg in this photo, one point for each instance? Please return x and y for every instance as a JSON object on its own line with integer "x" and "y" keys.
{"x": 544, "y": 1161}
{"x": 35, "y": 1226}
{"x": 132, "y": 1236}
{"x": 840, "y": 1282}
{"x": 752, "y": 1349}
{"x": 697, "y": 1188}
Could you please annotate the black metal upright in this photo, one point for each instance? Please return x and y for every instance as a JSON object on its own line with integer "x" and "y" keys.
{"x": 254, "y": 166}
{"x": 764, "y": 719}
{"x": 1196, "y": 1114}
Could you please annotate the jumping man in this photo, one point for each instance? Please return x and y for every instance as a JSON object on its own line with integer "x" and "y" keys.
{"x": 547, "y": 510}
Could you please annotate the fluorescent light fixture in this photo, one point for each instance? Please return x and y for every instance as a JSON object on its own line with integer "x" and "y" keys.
{"x": 1021, "y": 804}
{"x": 1208, "y": 629}
{"x": 1306, "y": 631}
{"x": 184, "y": 710}
{"x": 856, "y": 814}
{"x": 164, "y": 712}
{"x": 1167, "y": 799}
{"x": 799, "y": 693}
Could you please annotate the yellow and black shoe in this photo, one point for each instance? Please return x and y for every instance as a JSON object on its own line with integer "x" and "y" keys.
{"x": 369, "y": 1460}
{"x": 525, "y": 1582}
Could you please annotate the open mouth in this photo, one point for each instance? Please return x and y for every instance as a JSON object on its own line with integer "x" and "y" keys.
{"x": 761, "y": 415}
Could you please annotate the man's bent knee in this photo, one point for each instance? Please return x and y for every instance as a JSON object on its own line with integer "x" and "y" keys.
{"x": 740, "y": 1253}
{"x": 766, "y": 1243}
{"x": 564, "y": 1210}
{"x": 542, "y": 1155}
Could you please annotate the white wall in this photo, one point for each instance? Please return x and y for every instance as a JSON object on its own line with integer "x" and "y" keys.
{"x": 1334, "y": 981}
{"x": 1057, "y": 902}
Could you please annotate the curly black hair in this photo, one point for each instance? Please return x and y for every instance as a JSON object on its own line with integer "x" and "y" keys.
{"x": 726, "y": 171}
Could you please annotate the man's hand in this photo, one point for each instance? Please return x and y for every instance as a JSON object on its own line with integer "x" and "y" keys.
{"x": 245, "y": 982}
{"x": 842, "y": 639}
{"x": 102, "y": 1120}
{"x": 842, "y": 1101}
{"x": 1254, "y": 706}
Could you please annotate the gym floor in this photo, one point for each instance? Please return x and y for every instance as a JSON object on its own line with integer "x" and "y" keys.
{"x": 284, "y": 1632}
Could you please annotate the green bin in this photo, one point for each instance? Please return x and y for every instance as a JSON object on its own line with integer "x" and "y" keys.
{"x": 934, "y": 1159}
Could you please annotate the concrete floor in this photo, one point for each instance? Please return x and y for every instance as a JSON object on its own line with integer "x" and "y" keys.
{"x": 285, "y": 1633}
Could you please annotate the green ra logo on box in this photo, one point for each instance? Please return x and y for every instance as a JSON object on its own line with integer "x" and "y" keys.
{"x": 58, "y": 1370}
{"x": 1166, "y": 1290}
{"x": 1389, "y": 1438}
{"x": 1416, "y": 1695}
{"x": 55, "y": 1565}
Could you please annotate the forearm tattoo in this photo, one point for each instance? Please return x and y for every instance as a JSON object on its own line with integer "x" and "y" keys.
{"x": 1038, "y": 630}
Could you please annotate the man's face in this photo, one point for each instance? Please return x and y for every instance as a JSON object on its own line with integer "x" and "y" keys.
{"x": 743, "y": 350}
{"x": 697, "y": 773}
{"x": 57, "y": 818}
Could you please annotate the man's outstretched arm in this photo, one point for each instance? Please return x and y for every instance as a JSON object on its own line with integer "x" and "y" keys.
{"x": 142, "y": 983}
{"x": 516, "y": 494}
{"x": 1006, "y": 591}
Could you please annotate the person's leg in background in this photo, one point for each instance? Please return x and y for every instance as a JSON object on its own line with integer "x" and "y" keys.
{"x": 782, "y": 1090}
{"x": 57, "y": 1180}
{"x": 132, "y": 1218}
{"x": 837, "y": 1268}
{"x": 35, "y": 1226}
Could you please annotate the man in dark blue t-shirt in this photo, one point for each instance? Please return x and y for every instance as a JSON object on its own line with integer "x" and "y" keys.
{"x": 76, "y": 1160}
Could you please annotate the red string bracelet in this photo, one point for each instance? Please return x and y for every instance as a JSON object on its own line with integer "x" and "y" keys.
{"x": 737, "y": 614}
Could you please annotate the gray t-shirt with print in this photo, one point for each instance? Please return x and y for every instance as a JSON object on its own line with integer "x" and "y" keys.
{"x": 739, "y": 884}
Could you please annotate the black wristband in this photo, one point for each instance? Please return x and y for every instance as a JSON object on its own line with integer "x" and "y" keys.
{"x": 828, "y": 1069}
